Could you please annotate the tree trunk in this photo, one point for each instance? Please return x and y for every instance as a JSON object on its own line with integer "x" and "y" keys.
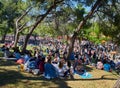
{"x": 16, "y": 39}
{"x": 14, "y": 35}
{"x": 20, "y": 28}
{"x": 117, "y": 84}
{"x": 71, "y": 46}
{"x": 3, "y": 39}
{"x": 25, "y": 42}
{"x": 67, "y": 40}
{"x": 96, "y": 5}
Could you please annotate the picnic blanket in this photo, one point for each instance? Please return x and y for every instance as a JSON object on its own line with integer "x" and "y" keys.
{"x": 85, "y": 75}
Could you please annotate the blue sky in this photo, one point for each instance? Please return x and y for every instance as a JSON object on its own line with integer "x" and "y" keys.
{"x": 86, "y": 8}
{"x": 75, "y": 4}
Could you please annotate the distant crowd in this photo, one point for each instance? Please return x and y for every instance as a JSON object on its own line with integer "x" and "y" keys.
{"x": 52, "y": 61}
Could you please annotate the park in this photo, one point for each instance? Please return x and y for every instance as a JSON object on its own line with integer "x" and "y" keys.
{"x": 59, "y": 44}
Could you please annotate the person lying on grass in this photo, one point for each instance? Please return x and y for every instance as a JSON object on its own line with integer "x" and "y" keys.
{"x": 79, "y": 69}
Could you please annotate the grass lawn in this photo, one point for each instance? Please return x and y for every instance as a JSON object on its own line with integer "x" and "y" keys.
{"x": 10, "y": 77}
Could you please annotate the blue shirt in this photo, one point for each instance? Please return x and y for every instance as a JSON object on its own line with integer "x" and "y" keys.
{"x": 50, "y": 70}
{"x": 72, "y": 57}
{"x": 26, "y": 58}
{"x": 17, "y": 55}
{"x": 107, "y": 67}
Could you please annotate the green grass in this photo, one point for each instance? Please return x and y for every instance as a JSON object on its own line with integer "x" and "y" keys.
{"x": 10, "y": 77}
{"x": 31, "y": 47}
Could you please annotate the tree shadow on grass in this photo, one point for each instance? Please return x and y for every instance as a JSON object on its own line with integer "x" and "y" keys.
{"x": 9, "y": 77}
{"x": 91, "y": 79}
{"x": 14, "y": 77}
{"x": 103, "y": 77}
{"x": 7, "y": 63}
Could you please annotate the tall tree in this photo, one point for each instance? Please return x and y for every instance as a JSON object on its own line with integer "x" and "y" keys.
{"x": 20, "y": 27}
{"x": 109, "y": 17}
{"x": 8, "y": 13}
{"x": 82, "y": 23}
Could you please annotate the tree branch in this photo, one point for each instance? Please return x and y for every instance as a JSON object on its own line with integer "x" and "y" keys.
{"x": 44, "y": 15}
{"x": 96, "y": 5}
{"x": 54, "y": 3}
{"x": 25, "y": 13}
{"x": 25, "y": 28}
{"x": 21, "y": 27}
{"x": 21, "y": 17}
{"x": 58, "y": 1}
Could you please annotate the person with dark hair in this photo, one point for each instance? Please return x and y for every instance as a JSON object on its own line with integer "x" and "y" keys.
{"x": 3, "y": 48}
{"x": 60, "y": 69}
{"x": 26, "y": 57}
{"x": 117, "y": 68}
{"x": 79, "y": 69}
{"x": 16, "y": 53}
{"x": 7, "y": 53}
{"x": 41, "y": 65}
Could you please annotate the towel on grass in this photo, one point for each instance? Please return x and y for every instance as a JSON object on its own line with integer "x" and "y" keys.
{"x": 85, "y": 75}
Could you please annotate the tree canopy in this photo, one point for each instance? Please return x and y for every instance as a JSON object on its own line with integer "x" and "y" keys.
{"x": 60, "y": 17}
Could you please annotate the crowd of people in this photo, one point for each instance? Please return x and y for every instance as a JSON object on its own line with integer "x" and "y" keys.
{"x": 52, "y": 62}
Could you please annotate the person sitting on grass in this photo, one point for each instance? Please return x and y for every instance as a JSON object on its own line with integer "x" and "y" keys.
{"x": 50, "y": 70}
{"x": 60, "y": 69}
{"x": 30, "y": 65}
{"x": 117, "y": 68}
{"x": 41, "y": 65}
{"x": 63, "y": 69}
{"x": 7, "y": 53}
{"x": 3, "y": 48}
{"x": 79, "y": 69}
{"x": 99, "y": 65}
{"x": 106, "y": 66}
{"x": 77, "y": 61}
{"x": 112, "y": 64}
{"x": 17, "y": 54}
{"x": 26, "y": 56}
